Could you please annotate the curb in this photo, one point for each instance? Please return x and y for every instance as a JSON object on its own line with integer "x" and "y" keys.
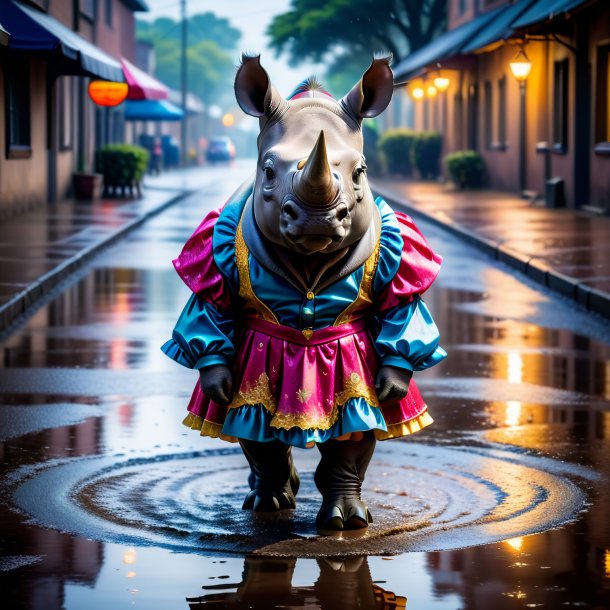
{"x": 536, "y": 269}
{"x": 14, "y": 312}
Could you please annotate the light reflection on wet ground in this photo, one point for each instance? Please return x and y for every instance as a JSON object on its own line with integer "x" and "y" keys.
{"x": 84, "y": 383}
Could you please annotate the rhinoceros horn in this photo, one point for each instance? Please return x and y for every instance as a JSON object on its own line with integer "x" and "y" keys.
{"x": 315, "y": 184}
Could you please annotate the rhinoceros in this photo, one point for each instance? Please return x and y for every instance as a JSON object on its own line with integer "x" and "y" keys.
{"x": 306, "y": 320}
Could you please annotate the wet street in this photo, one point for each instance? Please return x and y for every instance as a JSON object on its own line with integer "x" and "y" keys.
{"x": 109, "y": 502}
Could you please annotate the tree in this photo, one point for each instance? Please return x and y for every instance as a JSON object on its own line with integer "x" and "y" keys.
{"x": 312, "y": 28}
{"x": 210, "y": 48}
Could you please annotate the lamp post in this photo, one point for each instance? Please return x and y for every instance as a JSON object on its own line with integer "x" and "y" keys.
{"x": 521, "y": 67}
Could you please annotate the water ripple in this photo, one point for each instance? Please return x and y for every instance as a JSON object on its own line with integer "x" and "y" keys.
{"x": 423, "y": 498}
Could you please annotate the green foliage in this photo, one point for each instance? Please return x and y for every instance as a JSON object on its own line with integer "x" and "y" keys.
{"x": 121, "y": 164}
{"x": 371, "y": 150}
{"x": 395, "y": 149}
{"x": 466, "y": 168}
{"x": 211, "y": 44}
{"x": 312, "y": 28}
{"x": 426, "y": 153}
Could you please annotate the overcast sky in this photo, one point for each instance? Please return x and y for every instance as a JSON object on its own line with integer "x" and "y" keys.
{"x": 252, "y": 18}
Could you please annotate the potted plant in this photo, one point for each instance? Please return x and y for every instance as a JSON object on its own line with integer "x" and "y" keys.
{"x": 122, "y": 167}
{"x": 86, "y": 186}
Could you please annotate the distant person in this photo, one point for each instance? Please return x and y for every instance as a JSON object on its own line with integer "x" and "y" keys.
{"x": 157, "y": 156}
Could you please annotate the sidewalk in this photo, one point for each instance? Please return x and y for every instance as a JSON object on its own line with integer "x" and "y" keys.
{"x": 566, "y": 251}
{"x": 41, "y": 248}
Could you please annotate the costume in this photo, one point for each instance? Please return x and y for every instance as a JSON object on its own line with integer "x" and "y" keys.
{"x": 304, "y": 362}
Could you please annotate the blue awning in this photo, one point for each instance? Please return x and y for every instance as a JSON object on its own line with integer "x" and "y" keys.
{"x": 446, "y": 45}
{"x": 33, "y": 30}
{"x": 544, "y": 10}
{"x": 4, "y": 36}
{"x": 152, "y": 110}
{"x": 501, "y": 28}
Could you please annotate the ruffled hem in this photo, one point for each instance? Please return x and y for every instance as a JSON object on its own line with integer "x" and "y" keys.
{"x": 256, "y": 423}
{"x": 405, "y": 428}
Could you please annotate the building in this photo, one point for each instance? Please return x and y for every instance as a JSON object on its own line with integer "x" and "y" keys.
{"x": 49, "y": 128}
{"x": 546, "y": 135}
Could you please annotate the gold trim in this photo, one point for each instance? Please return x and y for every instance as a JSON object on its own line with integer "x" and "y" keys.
{"x": 356, "y": 388}
{"x": 257, "y": 394}
{"x": 405, "y": 428}
{"x": 246, "y": 291}
{"x": 206, "y": 427}
{"x": 307, "y": 333}
{"x": 365, "y": 292}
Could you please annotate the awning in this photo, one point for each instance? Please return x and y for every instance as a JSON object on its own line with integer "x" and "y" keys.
{"x": 501, "y": 28}
{"x": 447, "y": 45}
{"x": 152, "y": 110}
{"x": 33, "y": 30}
{"x": 544, "y": 10}
{"x": 4, "y": 36}
{"x": 142, "y": 86}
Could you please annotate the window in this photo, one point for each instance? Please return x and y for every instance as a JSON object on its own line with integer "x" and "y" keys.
{"x": 501, "y": 145}
{"x": 560, "y": 106}
{"x": 488, "y": 115}
{"x": 602, "y": 95}
{"x": 87, "y": 9}
{"x": 17, "y": 91}
{"x": 108, "y": 12}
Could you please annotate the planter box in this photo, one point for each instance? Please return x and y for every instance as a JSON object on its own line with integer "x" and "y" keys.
{"x": 87, "y": 187}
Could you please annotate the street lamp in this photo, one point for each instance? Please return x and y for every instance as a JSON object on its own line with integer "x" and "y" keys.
{"x": 521, "y": 67}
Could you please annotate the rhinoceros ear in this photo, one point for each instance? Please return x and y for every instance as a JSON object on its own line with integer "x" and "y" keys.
{"x": 371, "y": 95}
{"x": 254, "y": 92}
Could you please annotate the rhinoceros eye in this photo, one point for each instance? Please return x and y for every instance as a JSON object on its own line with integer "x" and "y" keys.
{"x": 269, "y": 173}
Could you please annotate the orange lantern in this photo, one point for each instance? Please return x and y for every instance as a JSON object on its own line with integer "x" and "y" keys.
{"x": 107, "y": 93}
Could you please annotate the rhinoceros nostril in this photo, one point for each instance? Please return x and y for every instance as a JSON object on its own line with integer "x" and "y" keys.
{"x": 342, "y": 212}
{"x": 290, "y": 210}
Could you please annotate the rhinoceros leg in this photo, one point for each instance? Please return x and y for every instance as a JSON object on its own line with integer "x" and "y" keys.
{"x": 339, "y": 478}
{"x": 273, "y": 478}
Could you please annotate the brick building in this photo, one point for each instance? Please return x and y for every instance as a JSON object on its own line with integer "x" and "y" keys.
{"x": 49, "y": 128}
{"x": 547, "y": 135}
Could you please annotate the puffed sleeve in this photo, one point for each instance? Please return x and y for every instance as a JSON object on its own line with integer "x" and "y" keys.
{"x": 203, "y": 335}
{"x": 407, "y": 336}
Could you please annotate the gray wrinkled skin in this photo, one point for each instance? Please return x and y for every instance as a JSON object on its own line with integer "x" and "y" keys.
{"x": 289, "y": 133}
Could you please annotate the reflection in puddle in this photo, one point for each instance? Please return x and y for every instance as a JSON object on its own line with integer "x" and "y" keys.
{"x": 267, "y": 583}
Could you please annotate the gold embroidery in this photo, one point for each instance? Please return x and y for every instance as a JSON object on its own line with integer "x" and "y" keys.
{"x": 258, "y": 394}
{"x": 246, "y": 291}
{"x": 305, "y": 421}
{"x": 356, "y": 388}
{"x": 404, "y": 428}
{"x": 307, "y": 333}
{"x": 365, "y": 292}
{"x": 303, "y": 395}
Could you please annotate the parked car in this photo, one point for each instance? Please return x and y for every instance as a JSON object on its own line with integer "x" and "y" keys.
{"x": 220, "y": 149}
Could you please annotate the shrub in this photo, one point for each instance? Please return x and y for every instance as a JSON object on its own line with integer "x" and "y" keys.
{"x": 466, "y": 168}
{"x": 122, "y": 165}
{"x": 426, "y": 153}
{"x": 371, "y": 150}
{"x": 395, "y": 148}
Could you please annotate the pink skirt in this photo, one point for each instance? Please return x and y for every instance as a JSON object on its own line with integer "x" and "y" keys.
{"x": 306, "y": 382}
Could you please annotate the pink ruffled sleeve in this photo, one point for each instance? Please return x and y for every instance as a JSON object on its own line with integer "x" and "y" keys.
{"x": 418, "y": 268}
{"x": 197, "y": 268}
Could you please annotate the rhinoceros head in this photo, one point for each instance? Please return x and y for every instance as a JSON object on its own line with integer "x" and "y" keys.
{"x": 311, "y": 192}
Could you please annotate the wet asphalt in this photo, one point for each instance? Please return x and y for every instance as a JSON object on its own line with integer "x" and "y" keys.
{"x": 109, "y": 502}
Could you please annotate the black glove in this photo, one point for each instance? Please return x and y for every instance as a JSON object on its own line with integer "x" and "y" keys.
{"x": 217, "y": 383}
{"x": 392, "y": 383}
